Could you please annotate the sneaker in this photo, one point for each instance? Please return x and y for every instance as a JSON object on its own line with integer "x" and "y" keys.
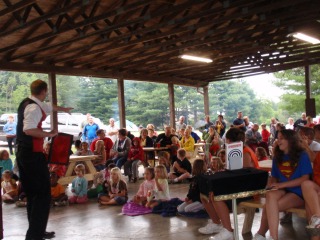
{"x": 287, "y": 218}
{"x": 257, "y": 236}
{"x": 313, "y": 227}
{"x": 224, "y": 234}
{"x": 210, "y": 228}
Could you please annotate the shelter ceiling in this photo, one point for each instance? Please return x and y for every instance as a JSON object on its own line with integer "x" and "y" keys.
{"x": 143, "y": 39}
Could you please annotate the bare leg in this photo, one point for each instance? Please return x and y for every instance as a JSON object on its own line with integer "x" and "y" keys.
{"x": 184, "y": 176}
{"x": 310, "y": 192}
{"x": 110, "y": 202}
{"x": 210, "y": 210}
{"x": 223, "y": 212}
{"x": 278, "y": 201}
{"x": 264, "y": 227}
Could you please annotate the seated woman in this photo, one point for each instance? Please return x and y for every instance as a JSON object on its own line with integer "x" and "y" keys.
{"x": 213, "y": 141}
{"x": 290, "y": 168}
{"x": 219, "y": 210}
{"x": 261, "y": 154}
{"x": 151, "y": 127}
{"x": 187, "y": 143}
{"x": 310, "y": 122}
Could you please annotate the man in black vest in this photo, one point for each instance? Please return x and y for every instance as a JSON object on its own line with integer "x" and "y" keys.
{"x": 33, "y": 166}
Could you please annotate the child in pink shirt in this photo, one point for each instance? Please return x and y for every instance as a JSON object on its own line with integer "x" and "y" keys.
{"x": 148, "y": 185}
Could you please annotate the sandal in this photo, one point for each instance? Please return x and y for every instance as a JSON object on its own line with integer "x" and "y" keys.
{"x": 314, "y": 226}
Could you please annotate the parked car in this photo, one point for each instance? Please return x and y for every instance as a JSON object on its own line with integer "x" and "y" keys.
{"x": 70, "y": 124}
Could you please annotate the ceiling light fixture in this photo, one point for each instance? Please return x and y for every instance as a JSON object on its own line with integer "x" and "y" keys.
{"x": 194, "y": 58}
{"x": 306, "y": 38}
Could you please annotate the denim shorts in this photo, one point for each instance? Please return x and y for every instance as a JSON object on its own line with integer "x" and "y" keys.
{"x": 120, "y": 200}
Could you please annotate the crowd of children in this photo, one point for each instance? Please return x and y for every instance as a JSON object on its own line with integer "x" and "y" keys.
{"x": 110, "y": 186}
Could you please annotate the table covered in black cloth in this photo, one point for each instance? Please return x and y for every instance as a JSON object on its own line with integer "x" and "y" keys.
{"x": 231, "y": 184}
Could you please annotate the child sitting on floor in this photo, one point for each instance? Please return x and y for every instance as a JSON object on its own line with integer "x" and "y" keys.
{"x": 148, "y": 185}
{"x": 103, "y": 175}
{"x": 182, "y": 167}
{"x": 79, "y": 186}
{"x": 115, "y": 192}
{"x": 216, "y": 165}
{"x": 192, "y": 202}
{"x": 161, "y": 193}
{"x": 58, "y": 195}
{"x": 5, "y": 161}
{"x": 22, "y": 197}
{"x": 9, "y": 187}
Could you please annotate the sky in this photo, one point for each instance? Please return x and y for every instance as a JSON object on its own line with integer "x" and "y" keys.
{"x": 262, "y": 85}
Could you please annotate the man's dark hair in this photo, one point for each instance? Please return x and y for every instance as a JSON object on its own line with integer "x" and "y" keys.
{"x": 38, "y": 86}
{"x": 122, "y": 132}
{"x": 99, "y": 131}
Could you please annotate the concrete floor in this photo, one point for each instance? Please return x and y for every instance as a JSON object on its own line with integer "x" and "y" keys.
{"x": 90, "y": 221}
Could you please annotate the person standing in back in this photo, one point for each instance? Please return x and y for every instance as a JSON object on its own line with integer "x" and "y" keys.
{"x": 90, "y": 131}
{"x": 10, "y": 131}
{"x": 33, "y": 166}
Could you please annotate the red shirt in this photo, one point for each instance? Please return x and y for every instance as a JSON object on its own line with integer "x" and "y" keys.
{"x": 265, "y": 135}
{"x": 107, "y": 145}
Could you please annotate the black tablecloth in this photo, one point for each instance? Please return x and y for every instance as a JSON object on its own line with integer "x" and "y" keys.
{"x": 233, "y": 181}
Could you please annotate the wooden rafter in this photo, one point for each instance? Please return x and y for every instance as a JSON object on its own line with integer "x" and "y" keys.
{"x": 142, "y": 39}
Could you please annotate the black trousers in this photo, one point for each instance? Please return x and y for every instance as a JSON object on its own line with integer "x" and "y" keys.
{"x": 35, "y": 179}
{"x": 11, "y": 144}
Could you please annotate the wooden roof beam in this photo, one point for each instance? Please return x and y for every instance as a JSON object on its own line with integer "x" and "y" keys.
{"x": 16, "y": 7}
{"x": 175, "y": 41}
{"x": 110, "y": 29}
{"x": 36, "y": 68}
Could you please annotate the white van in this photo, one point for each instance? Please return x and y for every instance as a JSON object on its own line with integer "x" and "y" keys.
{"x": 70, "y": 124}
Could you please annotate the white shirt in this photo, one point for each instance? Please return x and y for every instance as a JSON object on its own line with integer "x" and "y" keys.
{"x": 33, "y": 114}
{"x": 289, "y": 126}
{"x": 315, "y": 146}
{"x": 112, "y": 129}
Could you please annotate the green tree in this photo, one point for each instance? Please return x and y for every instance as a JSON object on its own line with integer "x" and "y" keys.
{"x": 99, "y": 97}
{"x": 293, "y": 83}
{"x": 229, "y": 97}
{"x": 147, "y": 103}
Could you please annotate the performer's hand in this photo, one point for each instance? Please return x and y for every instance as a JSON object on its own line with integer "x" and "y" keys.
{"x": 68, "y": 109}
{"x": 53, "y": 133}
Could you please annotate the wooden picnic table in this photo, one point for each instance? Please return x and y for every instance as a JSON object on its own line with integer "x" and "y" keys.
{"x": 147, "y": 150}
{"x": 73, "y": 161}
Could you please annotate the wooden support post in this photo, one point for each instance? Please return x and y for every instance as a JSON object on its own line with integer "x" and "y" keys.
{"x": 171, "y": 105}
{"x": 206, "y": 100}
{"x": 53, "y": 99}
{"x": 310, "y": 103}
{"x": 121, "y": 103}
